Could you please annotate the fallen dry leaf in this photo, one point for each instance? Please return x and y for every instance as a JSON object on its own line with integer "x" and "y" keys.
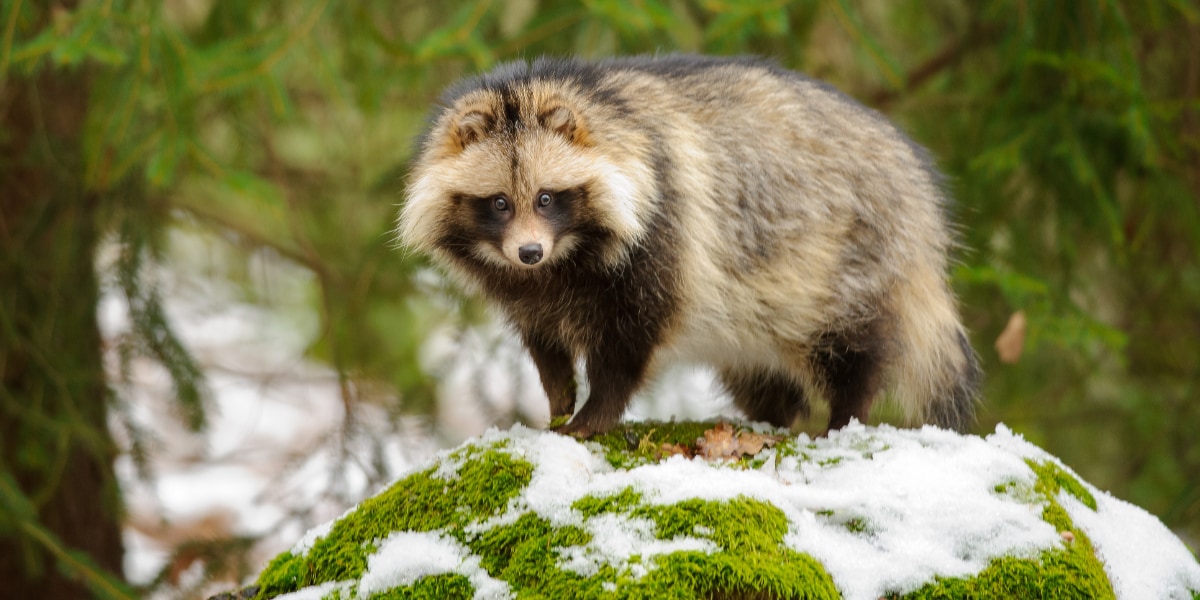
{"x": 1011, "y": 341}
{"x": 668, "y": 450}
{"x": 724, "y": 442}
{"x": 718, "y": 442}
{"x": 750, "y": 443}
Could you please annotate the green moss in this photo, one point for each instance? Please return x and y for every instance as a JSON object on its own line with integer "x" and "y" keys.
{"x": 738, "y": 524}
{"x": 623, "y": 501}
{"x": 634, "y": 444}
{"x": 449, "y": 586}
{"x": 1055, "y": 575}
{"x": 752, "y": 560}
{"x": 852, "y": 523}
{"x": 525, "y": 552}
{"x": 1052, "y": 478}
{"x": 1072, "y": 572}
{"x": 856, "y": 525}
{"x": 485, "y": 483}
{"x": 286, "y": 573}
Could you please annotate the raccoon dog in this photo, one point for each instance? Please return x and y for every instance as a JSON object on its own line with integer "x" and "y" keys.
{"x": 641, "y": 211}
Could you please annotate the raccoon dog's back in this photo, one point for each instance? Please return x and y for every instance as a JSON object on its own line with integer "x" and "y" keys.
{"x": 727, "y": 212}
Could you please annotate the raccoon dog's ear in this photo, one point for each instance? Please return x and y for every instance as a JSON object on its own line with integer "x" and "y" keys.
{"x": 471, "y": 127}
{"x": 563, "y": 121}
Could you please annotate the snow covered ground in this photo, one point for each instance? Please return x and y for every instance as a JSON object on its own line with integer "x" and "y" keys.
{"x": 930, "y": 502}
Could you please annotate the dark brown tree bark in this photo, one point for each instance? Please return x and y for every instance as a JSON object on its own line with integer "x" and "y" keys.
{"x": 54, "y": 439}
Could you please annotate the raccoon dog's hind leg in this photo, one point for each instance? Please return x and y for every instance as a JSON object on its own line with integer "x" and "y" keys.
{"x": 850, "y": 366}
{"x": 766, "y": 396}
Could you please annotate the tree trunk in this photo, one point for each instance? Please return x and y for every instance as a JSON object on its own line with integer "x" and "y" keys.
{"x": 54, "y": 437}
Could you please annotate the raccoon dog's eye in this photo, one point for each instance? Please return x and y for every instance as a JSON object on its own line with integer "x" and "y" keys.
{"x": 501, "y": 203}
{"x": 544, "y": 199}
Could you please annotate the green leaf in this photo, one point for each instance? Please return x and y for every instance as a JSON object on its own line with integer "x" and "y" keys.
{"x": 245, "y": 183}
{"x": 45, "y": 42}
{"x": 18, "y": 514}
{"x": 1017, "y": 288}
{"x": 726, "y": 25}
{"x": 852, "y": 22}
{"x": 163, "y": 163}
{"x": 105, "y": 54}
{"x": 774, "y": 21}
{"x": 68, "y": 52}
{"x": 15, "y": 504}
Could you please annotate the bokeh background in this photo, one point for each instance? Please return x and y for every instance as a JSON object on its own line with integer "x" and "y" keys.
{"x": 209, "y": 341}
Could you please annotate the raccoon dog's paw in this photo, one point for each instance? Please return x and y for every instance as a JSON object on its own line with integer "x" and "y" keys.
{"x": 575, "y": 430}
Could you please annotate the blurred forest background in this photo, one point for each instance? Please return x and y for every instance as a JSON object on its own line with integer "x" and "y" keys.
{"x": 263, "y": 145}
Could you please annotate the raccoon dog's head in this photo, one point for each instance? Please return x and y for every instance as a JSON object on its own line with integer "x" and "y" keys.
{"x": 522, "y": 174}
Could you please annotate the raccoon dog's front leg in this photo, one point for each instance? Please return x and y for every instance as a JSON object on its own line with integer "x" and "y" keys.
{"x": 557, "y": 371}
{"x": 615, "y": 371}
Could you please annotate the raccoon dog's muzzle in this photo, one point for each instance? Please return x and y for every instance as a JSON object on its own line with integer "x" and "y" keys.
{"x": 529, "y": 242}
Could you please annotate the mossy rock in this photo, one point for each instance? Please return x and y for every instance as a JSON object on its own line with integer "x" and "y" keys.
{"x": 644, "y": 512}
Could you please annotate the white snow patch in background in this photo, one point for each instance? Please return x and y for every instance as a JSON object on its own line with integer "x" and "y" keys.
{"x": 491, "y": 375}
{"x": 269, "y": 462}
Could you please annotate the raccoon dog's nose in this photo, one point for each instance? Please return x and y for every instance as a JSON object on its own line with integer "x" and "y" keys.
{"x": 530, "y": 254}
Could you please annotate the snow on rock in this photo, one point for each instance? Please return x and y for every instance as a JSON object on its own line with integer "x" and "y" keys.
{"x": 865, "y": 513}
{"x": 405, "y": 557}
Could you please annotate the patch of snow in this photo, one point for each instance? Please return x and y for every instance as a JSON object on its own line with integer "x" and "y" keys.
{"x": 913, "y": 490}
{"x": 310, "y": 537}
{"x": 405, "y": 557}
{"x": 486, "y": 587}
{"x": 279, "y": 453}
{"x": 1141, "y": 556}
{"x": 926, "y": 499}
{"x": 143, "y": 558}
{"x": 316, "y": 592}
{"x": 616, "y": 538}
